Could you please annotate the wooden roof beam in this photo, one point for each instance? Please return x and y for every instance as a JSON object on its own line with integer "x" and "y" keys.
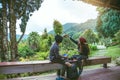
{"x": 102, "y": 3}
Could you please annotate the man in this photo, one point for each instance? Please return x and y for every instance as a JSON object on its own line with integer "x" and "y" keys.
{"x": 55, "y": 55}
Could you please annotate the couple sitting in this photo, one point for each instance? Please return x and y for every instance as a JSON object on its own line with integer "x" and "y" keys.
{"x": 55, "y": 56}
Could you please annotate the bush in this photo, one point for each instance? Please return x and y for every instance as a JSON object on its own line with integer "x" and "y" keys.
{"x": 2, "y": 76}
{"x": 117, "y": 36}
{"x": 25, "y": 51}
{"x": 117, "y": 61}
{"x": 69, "y": 52}
{"x": 40, "y": 56}
{"x": 93, "y": 47}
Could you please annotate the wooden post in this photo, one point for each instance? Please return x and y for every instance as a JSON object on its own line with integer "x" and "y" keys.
{"x": 105, "y": 65}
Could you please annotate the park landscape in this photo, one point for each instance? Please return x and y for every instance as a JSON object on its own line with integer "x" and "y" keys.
{"x": 102, "y": 35}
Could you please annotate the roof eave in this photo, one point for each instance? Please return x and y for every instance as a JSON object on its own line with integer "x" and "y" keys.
{"x": 103, "y": 3}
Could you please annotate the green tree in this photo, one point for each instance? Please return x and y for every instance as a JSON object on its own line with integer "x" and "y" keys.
{"x": 24, "y": 50}
{"x": 45, "y": 34}
{"x": 108, "y": 22}
{"x": 49, "y": 41}
{"x": 46, "y": 41}
{"x": 117, "y": 36}
{"x": 44, "y": 45}
{"x": 13, "y": 10}
{"x": 33, "y": 41}
{"x": 57, "y": 26}
{"x": 77, "y": 35}
{"x": 67, "y": 44}
{"x": 90, "y": 36}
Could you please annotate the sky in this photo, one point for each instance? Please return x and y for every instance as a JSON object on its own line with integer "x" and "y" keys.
{"x": 65, "y": 11}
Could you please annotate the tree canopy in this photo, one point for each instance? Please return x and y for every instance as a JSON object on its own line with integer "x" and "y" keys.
{"x": 11, "y": 11}
{"x": 108, "y": 21}
{"x": 90, "y": 36}
{"x": 57, "y": 26}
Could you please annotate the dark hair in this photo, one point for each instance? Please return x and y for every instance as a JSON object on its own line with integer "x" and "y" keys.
{"x": 58, "y": 38}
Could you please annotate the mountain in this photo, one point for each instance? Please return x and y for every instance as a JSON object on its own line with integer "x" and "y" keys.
{"x": 18, "y": 36}
{"x": 24, "y": 37}
{"x": 66, "y": 27}
{"x": 76, "y": 27}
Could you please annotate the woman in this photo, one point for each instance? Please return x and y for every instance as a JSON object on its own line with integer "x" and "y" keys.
{"x": 83, "y": 50}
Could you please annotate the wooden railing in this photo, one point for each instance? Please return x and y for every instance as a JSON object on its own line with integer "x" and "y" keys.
{"x": 42, "y": 66}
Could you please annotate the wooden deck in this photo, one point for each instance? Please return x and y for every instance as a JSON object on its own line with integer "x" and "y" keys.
{"x": 112, "y": 73}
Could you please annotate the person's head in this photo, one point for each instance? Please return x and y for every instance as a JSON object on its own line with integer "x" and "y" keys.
{"x": 58, "y": 38}
{"x": 82, "y": 40}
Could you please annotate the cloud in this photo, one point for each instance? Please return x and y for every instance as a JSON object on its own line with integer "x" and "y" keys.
{"x": 63, "y": 10}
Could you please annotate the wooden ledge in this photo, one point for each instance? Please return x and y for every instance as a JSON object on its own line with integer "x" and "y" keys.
{"x": 42, "y": 66}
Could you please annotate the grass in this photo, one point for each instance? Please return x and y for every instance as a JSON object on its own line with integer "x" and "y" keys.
{"x": 113, "y": 52}
{"x": 93, "y": 53}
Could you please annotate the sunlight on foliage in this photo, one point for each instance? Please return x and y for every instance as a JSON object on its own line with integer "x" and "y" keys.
{"x": 113, "y": 52}
{"x": 57, "y": 26}
{"x": 108, "y": 22}
{"x": 40, "y": 56}
{"x": 67, "y": 44}
{"x": 25, "y": 51}
{"x": 2, "y": 76}
{"x": 118, "y": 61}
{"x": 69, "y": 52}
{"x": 23, "y": 59}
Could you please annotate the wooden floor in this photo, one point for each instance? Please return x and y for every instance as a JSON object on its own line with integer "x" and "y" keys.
{"x": 101, "y": 74}
{"x": 112, "y": 73}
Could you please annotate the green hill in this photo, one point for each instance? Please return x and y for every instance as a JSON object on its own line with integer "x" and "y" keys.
{"x": 71, "y": 28}
{"x": 18, "y": 36}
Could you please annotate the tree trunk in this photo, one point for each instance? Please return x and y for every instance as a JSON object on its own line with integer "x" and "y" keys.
{"x": 12, "y": 28}
{"x": 1, "y": 38}
{"x": 4, "y": 48}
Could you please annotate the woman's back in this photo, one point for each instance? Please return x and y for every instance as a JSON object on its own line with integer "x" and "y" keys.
{"x": 84, "y": 49}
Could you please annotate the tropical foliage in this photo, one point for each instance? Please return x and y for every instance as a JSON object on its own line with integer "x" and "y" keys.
{"x": 90, "y": 36}
{"x": 45, "y": 34}
{"x": 24, "y": 51}
{"x": 33, "y": 41}
{"x": 108, "y": 22}
{"x": 67, "y": 44}
{"x": 117, "y": 36}
{"x": 11, "y": 11}
{"x": 57, "y": 26}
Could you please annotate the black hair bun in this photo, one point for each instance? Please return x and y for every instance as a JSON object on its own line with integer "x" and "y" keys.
{"x": 58, "y": 38}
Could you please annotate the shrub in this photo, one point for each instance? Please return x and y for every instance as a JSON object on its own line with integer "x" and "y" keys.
{"x": 117, "y": 61}
{"x": 69, "y": 52}
{"x": 40, "y": 56}
{"x": 2, "y": 76}
{"x": 93, "y": 47}
{"x": 25, "y": 51}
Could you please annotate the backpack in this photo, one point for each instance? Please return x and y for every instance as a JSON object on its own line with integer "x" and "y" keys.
{"x": 72, "y": 72}
{"x": 60, "y": 78}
